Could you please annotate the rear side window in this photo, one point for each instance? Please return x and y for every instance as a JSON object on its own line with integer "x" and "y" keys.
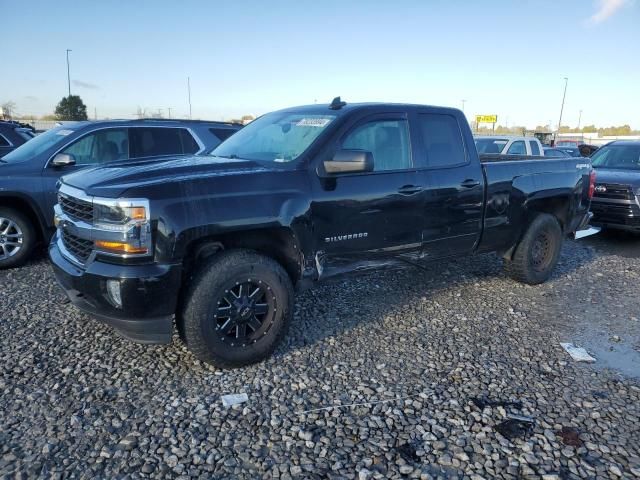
{"x": 4, "y": 142}
{"x": 535, "y": 150}
{"x": 222, "y": 133}
{"x": 517, "y": 148}
{"x": 157, "y": 141}
{"x": 442, "y": 140}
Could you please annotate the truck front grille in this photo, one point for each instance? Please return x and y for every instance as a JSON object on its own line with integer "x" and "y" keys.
{"x": 76, "y": 208}
{"x": 615, "y": 192}
{"x": 78, "y": 247}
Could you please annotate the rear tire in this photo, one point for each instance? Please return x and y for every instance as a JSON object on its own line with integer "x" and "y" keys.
{"x": 237, "y": 309}
{"x": 537, "y": 253}
{"x": 17, "y": 238}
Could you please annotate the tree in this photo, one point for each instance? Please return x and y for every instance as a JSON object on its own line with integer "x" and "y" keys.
{"x": 7, "y": 109}
{"x": 71, "y": 108}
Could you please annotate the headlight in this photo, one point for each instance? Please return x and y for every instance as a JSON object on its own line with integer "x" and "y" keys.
{"x": 122, "y": 226}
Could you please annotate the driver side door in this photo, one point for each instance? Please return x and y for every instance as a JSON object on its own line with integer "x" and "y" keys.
{"x": 369, "y": 216}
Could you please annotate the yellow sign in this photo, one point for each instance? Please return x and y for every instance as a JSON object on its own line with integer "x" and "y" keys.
{"x": 486, "y": 118}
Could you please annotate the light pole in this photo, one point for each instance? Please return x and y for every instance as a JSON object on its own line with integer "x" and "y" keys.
{"x": 579, "y": 119}
{"x": 68, "y": 74}
{"x": 463, "y": 102}
{"x": 189, "y": 91}
{"x": 566, "y": 81}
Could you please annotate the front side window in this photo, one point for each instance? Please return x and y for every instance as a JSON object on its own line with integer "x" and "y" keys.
{"x": 387, "y": 140}
{"x": 619, "y": 157}
{"x": 442, "y": 140}
{"x": 517, "y": 148}
{"x": 275, "y": 137}
{"x": 4, "y": 142}
{"x": 535, "y": 150}
{"x": 100, "y": 147}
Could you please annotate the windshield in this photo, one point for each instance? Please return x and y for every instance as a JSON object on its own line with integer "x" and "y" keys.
{"x": 490, "y": 145}
{"x": 275, "y": 137}
{"x": 37, "y": 145}
{"x": 623, "y": 157}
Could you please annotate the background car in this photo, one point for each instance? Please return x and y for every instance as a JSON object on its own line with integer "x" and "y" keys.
{"x": 28, "y": 174}
{"x": 12, "y": 135}
{"x": 556, "y": 152}
{"x": 508, "y": 145}
{"x": 616, "y": 200}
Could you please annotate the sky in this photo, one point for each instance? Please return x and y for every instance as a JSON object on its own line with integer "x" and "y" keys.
{"x": 507, "y": 57}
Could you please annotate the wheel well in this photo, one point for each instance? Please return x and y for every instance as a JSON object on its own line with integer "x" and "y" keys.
{"x": 278, "y": 243}
{"x": 556, "y": 206}
{"x": 24, "y": 207}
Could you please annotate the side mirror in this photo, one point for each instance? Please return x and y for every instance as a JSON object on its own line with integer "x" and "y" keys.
{"x": 63, "y": 160}
{"x": 350, "y": 161}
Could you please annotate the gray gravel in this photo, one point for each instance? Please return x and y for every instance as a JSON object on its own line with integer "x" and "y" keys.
{"x": 412, "y": 349}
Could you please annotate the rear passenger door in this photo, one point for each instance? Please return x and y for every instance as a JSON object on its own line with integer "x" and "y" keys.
{"x": 453, "y": 186}
{"x": 160, "y": 141}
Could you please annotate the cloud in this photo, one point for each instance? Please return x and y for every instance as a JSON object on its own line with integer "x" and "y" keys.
{"x": 31, "y": 98}
{"x": 606, "y": 8}
{"x": 81, "y": 84}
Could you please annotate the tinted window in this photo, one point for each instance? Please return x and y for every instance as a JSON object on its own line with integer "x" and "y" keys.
{"x": 490, "y": 145}
{"x": 552, "y": 152}
{"x": 535, "y": 150}
{"x": 387, "y": 140}
{"x": 99, "y": 147}
{"x": 442, "y": 140}
{"x": 222, "y": 133}
{"x": 4, "y": 142}
{"x": 517, "y": 148}
{"x": 189, "y": 144}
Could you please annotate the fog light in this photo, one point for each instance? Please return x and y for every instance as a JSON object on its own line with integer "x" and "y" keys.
{"x": 113, "y": 291}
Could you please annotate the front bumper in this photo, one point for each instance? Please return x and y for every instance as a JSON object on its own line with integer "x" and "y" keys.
{"x": 148, "y": 295}
{"x": 622, "y": 215}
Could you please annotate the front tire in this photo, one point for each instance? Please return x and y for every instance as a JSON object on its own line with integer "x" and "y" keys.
{"x": 538, "y": 252}
{"x": 237, "y": 309}
{"x": 17, "y": 238}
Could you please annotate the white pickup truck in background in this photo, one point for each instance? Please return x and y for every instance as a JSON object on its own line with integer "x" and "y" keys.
{"x": 508, "y": 145}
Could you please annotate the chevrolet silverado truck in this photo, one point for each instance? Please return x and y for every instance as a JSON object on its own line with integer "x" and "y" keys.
{"x": 219, "y": 244}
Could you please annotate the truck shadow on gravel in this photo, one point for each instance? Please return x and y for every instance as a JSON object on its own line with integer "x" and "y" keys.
{"x": 338, "y": 306}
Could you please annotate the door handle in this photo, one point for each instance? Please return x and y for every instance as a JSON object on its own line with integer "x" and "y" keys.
{"x": 409, "y": 189}
{"x": 470, "y": 183}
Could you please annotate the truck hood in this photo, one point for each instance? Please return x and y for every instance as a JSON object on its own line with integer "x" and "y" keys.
{"x": 114, "y": 180}
{"x": 620, "y": 177}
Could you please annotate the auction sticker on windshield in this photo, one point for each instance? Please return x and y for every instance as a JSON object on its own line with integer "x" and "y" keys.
{"x": 313, "y": 122}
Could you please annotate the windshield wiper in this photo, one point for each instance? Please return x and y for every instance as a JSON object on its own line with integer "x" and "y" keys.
{"x": 233, "y": 156}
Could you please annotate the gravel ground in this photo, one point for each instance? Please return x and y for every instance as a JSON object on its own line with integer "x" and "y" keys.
{"x": 432, "y": 359}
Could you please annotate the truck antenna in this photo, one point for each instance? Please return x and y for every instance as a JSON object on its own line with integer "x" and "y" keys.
{"x": 337, "y": 104}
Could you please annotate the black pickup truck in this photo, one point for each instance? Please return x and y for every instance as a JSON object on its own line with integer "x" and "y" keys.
{"x": 221, "y": 243}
